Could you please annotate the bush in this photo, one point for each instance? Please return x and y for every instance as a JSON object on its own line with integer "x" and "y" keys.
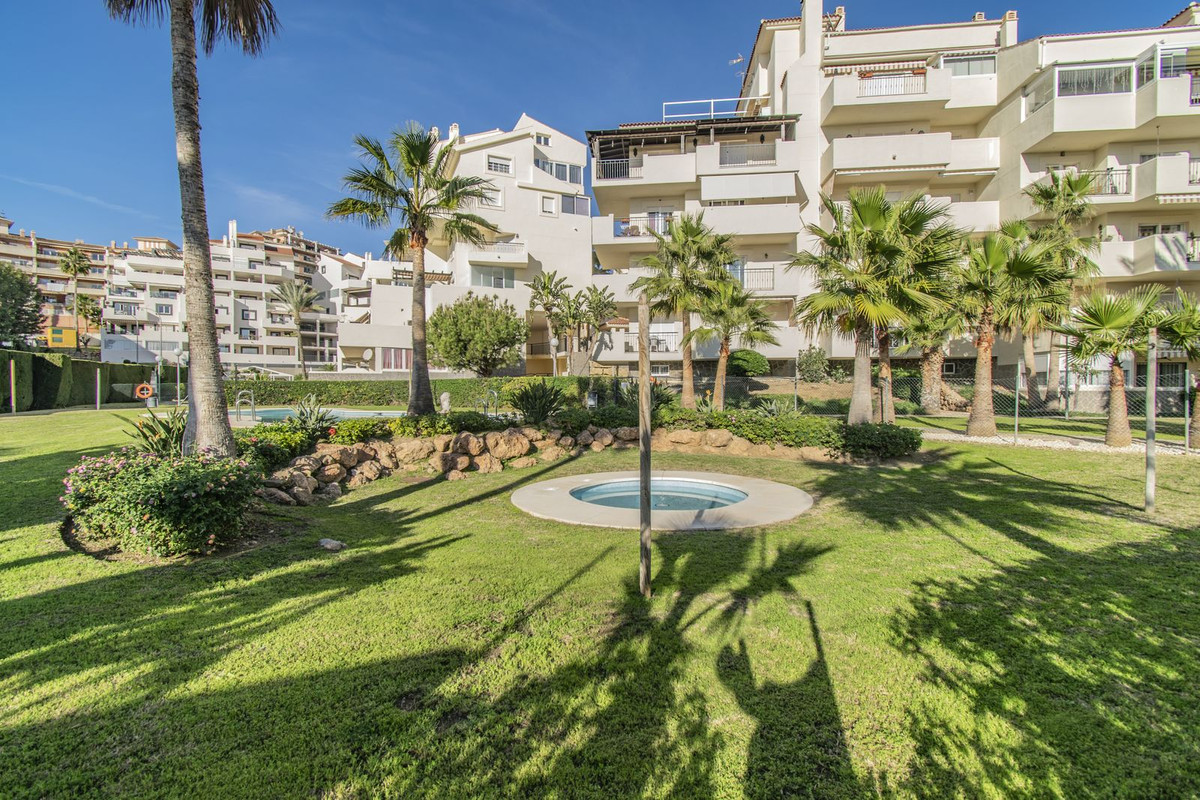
{"x": 572, "y": 420}
{"x": 163, "y": 506}
{"x": 163, "y": 435}
{"x": 747, "y": 364}
{"x": 812, "y": 365}
{"x": 269, "y": 447}
{"x": 790, "y": 430}
{"x": 537, "y": 402}
{"x": 879, "y": 441}
{"x": 359, "y": 429}
{"x": 612, "y": 416}
{"x": 480, "y": 333}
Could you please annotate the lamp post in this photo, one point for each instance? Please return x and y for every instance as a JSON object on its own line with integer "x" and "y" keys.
{"x": 153, "y": 402}
{"x": 554, "y": 355}
{"x": 178, "y": 351}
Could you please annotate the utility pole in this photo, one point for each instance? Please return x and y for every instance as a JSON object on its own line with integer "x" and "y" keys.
{"x": 1151, "y": 403}
{"x": 644, "y": 442}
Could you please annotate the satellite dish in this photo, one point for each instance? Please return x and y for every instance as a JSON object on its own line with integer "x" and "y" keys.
{"x": 368, "y": 354}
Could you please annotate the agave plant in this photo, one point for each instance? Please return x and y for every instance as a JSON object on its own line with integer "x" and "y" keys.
{"x": 161, "y": 435}
{"x": 772, "y": 407}
{"x": 311, "y": 417}
{"x": 626, "y": 395}
{"x": 537, "y": 402}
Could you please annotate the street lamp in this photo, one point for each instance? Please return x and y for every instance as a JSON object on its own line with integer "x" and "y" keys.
{"x": 554, "y": 355}
{"x": 178, "y": 351}
{"x": 157, "y": 381}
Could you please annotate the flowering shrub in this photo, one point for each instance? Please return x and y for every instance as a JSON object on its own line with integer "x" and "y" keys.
{"x": 272, "y": 446}
{"x": 167, "y": 506}
{"x": 359, "y": 429}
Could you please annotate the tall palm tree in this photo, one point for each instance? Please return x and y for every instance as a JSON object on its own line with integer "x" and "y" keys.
{"x": 407, "y": 184}
{"x": 1108, "y": 326}
{"x": 929, "y": 332}
{"x": 878, "y": 264}
{"x": 690, "y": 257}
{"x": 999, "y": 275}
{"x": 546, "y": 292}
{"x": 73, "y": 264}
{"x": 600, "y": 305}
{"x": 569, "y": 317}
{"x": 1066, "y": 197}
{"x": 1180, "y": 328}
{"x": 729, "y": 312}
{"x": 250, "y": 24}
{"x": 298, "y": 298}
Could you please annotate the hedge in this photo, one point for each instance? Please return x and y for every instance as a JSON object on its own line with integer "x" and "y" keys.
{"x": 22, "y": 364}
{"x": 55, "y": 380}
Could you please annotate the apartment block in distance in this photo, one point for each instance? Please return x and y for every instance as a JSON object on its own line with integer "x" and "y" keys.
{"x": 38, "y": 257}
{"x": 542, "y": 216}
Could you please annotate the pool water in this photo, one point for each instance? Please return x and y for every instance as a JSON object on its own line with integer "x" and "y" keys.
{"x": 666, "y": 494}
{"x": 280, "y": 414}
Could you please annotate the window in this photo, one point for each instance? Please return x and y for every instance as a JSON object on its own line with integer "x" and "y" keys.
{"x": 162, "y": 308}
{"x": 576, "y": 204}
{"x": 249, "y": 314}
{"x": 723, "y": 203}
{"x": 1174, "y": 63}
{"x": 280, "y": 351}
{"x": 576, "y": 175}
{"x": 570, "y": 173}
{"x": 1094, "y": 80}
{"x": 222, "y": 348}
{"x": 250, "y": 351}
{"x": 660, "y": 371}
{"x": 222, "y": 310}
{"x": 543, "y": 139}
{"x": 1170, "y": 374}
{"x": 971, "y": 65}
{"x": 499, "y": 164}
{"x": 1154, "y": 230}
{"x": 1145, "y": 72}
{"x": 395, "y": 358}
{"x": 493, "y": 277}
{"x": 949, "y": 368}
{"x": 493, "y": 198}
{"x": 247, "y": 333}
{"x": 1039, "y": 93}
{"x": 548, "y": 204}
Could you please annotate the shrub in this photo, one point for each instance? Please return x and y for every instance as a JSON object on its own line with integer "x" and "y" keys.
{"x": 271, "y": 446}
{"x": 676, "y": 418}
{"x": 163, "y": 435}
{"x": 359, "y": 429}
{"x": 612, "y": 416}
{"x": 747, "y": 364}
{"x": 159, "y": 505}
{"x": 476, "y": 422}
{"x": 879, "y": 441}
{"x": 626, "y": 394}
{"x": 311, "y": 417}
{"x": 572, "y": 420}
{"x": 427, "y": 425}
{"x": 812, "y": 365}
{"x": 537, "y": 402}
{"x": 791, "y": 430}
{"x": 480, "y": 333}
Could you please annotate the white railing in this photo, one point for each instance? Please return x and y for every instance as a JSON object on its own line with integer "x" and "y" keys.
{"x": 659, "y": 342}
{"x": 758, "y": 278}
{"x": 614, "y": 169}
{"x": 1193, "y": 248}
{"x": 746, "y": 155}
{"x": 716, "y": 108}
{"x": 1194, "y": 171}
{"x": 642, "y": 225}
{"x": 513, "y": 248}
{"x": 1110, "y": 181}
{"x": 889, "y": 85}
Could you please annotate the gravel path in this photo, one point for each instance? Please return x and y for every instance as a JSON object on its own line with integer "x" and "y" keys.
{"x": 1055, "y": 443}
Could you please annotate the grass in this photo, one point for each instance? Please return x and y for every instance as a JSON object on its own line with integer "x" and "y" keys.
{"x": 1170, "y": 429}
{"x": 998, "y": 622}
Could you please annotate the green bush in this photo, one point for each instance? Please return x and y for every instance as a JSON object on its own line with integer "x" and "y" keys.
{"x": 791, "y": 430}
{"x": 312, "y": 418}
{"x": 52, "y": 380}
{"x": 428, "y": 425}
{"x": 613, "y": 416}
{"x": 22, "y": 364}
{"x": 475, "y": 422}
{"x": 270, "y": 446}
{"x": 879, "y": 441}
{"x": 572, "y": 420}
{"x": 748, "y": 364}
{"x": 812, "y": 365}
{"x": 359, "y": 429}
{"x": 538, "y": 402}
{"x": 164, "y": 506}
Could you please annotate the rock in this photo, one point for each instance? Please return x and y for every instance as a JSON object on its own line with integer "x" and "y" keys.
{"x": 331, "y": 544}
{"x": 718, "y": 438}
{"x": 327, "y": 459}
{"x": 330, "y": 474}
{"x": 306, "y": 482}
{"x": 455, "y": 475}
{"x": 371, "y": 469}
{"x": 523, "y": 462}
{"x": 552, "y": 453}
{"x": 565, "y": 442}
{"x": 510, "y": 444}
{"x": 357, "y": 480}
{"x": 596, "y": 446}
{"x": 307, "y": 463}
{"x": 441, "y": 442}
{"x": 583, "y": 439}
{"x": 410, "y": 451}
{"x": 340, "y": 453}
{"x": 276, "y": 496}
{"x": 448, "y": 462}
{"x": 684, "y": 437}
{"x": 623, "y": 445}
{"x": 275, "y": 483}
{"x": 468, "y": 444}
{"x": 330, "y": 492}
{"x": 284, "y": 475}
{"x": 387, "y": 461}
{"x": 552, "y": 436}
{"x": 444, "y": 402}
{"x": 592, "y": 429}
{"x": 739, "y": 447}
{"x": 303, "y": 497}
{"x": 381, "y": 447}
{"x": 627, "y": 434}
{"x": 604, "y": 437}
{"x": 486, "y": 462}
{"x": 531, "y": 433}
{"x": 363, "y": 452}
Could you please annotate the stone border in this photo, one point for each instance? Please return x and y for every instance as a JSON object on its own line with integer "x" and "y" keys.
{"x": 768, "y": 503}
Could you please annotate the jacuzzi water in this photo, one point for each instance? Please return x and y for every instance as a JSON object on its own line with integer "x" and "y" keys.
{"x": 666, "y": 494}
{"x": 280, "y": 414}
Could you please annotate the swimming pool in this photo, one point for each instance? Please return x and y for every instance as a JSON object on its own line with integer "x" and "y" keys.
{"x": 666, "y": 494}
{"x": 280, "y": 414}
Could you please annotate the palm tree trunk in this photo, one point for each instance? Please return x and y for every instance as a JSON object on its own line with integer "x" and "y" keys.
{"x": 1118, "y": 434}
{"x": 75, "y": 309}
{"x": 719, "y": 383}
{"x": 420, "y": 391}
{"x": 208, "y": 416}
{"x": 982, "y": 419}
{"x": 860, "y": 392}
{"x": 688, "y": 398}
{"x": 1033, "y": 394}
{"x": 931, "y": 380}
{"x": 887, "y": 404}
{"x": 1053, "y": 379}
{"x": 1194, "y": 423}
{"x": 300, "y": 348}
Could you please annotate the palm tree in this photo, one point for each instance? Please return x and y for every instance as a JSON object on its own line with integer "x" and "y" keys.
{"x": 689, "y": 258}
{"x": 1108, "y": 326}
{"x": 546, "y": 292}
{"x": 1180, "y": 328}
{"x": 730, "y": 312}
{"x": 407, "y": 184}
{"x": 248, "y": 23}
{"x": 298, "y": 298}
{"x": 600, "y": 305}
{"x": 87, "y": 308}
{"x": 74, "y": 263}
{"x": 1066, "y": 197}
{"x": 878, "y": 264}
{"x": 929, "y": 332}
{"x": 1000, "y": 276}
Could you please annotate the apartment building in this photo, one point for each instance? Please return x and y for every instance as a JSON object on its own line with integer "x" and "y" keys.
{"x": 38, "y": 257}
{"x": 145, "y": 315}
{"x": 542, "y": 216}
{"x": 963, "y": 112}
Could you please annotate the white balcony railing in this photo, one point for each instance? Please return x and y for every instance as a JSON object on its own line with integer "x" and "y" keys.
{"x": 712, "y": 108}
{"x": 615, "y": 169}
{"x": 659, "y": 342}
{"x": 510, "y": 248}
{"x": 758, "y": 278}
{"x": 1194, "y": 171}
{"x": 889, "y": 85}
{"x": 642, "y": 225}
{"x": 746, "y": 155}
{"x": 1110, "y": 181}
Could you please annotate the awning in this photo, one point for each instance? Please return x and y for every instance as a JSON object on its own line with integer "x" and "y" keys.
{"x": 1179, "y": 198}
{"x": 893, "y": 66}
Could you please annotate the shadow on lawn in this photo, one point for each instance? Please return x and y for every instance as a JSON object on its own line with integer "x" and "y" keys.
{"x": 1079, "y": 671}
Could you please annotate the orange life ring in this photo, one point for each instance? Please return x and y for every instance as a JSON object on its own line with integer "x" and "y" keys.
{"x": 144, "y": 391}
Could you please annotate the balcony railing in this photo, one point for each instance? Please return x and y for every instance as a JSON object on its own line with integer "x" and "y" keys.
{"x": 1193, "y": 248}
{"x": 659, "y": 342}
{"x": 1110, "y": 181}
{"x": 511, "y": 248}
{"x": 642, "y": 225}
{"x": 1194, "y": 171}
{"x": 747, "y": 155}
{"x": 758, "y": 278}
{"x": 615, "y": 169}
{"x": 537, "y": 348}
{"x": 890, "y": 85}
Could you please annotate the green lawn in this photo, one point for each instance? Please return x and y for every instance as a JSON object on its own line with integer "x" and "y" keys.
{"x": 998, "y": 622}
{"x": 1168, "y": 430}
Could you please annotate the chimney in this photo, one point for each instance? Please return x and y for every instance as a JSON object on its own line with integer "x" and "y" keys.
{"x": 233, "y": 233}
{"x": 435, "y": 133}
{"x": 980, "y": 17}
{"x": 124, "y": 245}
{"x": 1008, "y": 29}
{"x": 453, "y": 130}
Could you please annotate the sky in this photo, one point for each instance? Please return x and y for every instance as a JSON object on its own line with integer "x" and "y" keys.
{"x": 87, "y": 140}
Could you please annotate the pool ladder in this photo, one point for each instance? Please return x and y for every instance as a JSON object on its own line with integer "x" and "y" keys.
{"x": 244, "y": 396}
{"x": 490, "y": 398}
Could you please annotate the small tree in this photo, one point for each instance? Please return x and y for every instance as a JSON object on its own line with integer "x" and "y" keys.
{"x": 480, "y": 333}
{"x": 297, "y": 298}
{"x": 1181, "y": 330}
{"x": 73, "y": 264}
{"x": 812, "y": 365}
{"x": 729, "y": 313}
{"x": 89, "y": 310}
{"x": 748, "y": 364}
{"x": 20, "y": 306}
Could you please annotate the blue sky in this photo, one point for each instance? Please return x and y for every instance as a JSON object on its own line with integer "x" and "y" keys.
{"x": 88, "y": 147}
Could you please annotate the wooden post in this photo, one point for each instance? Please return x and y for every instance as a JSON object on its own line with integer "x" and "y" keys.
{"x": 12, "y": 382}
{"x": 98, "y": 368}
{"x": 644, "y": 441}
{"x": 1017, "y": 395}
{"x": 1151, "y": 411}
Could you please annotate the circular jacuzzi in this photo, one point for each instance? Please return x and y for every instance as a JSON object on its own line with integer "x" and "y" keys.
{"x": 678, "y": 500}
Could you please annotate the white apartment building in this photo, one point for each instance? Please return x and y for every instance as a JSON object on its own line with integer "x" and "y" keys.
{"x": 542, "y": 214}
{"x": 145, "y": 315}
{"x": 962, "y": 112}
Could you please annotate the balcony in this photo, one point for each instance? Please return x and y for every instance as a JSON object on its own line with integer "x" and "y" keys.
{"x": 514, "y": 253}
{"x": 1167, "y": 252}
{"x": 909, "y": 95}
{"x": 657, "y": 167}
{"x": 618, "y": 169}
{"x": 735, "y": 154}
{"x": 761, "y": 221}
{"x": 976, "y": 216}
{"x": 667, "y": 342}
{"x": 916, "y": 155}
{"x": 636, "y": 229}
{"x": 757, "y": 279}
